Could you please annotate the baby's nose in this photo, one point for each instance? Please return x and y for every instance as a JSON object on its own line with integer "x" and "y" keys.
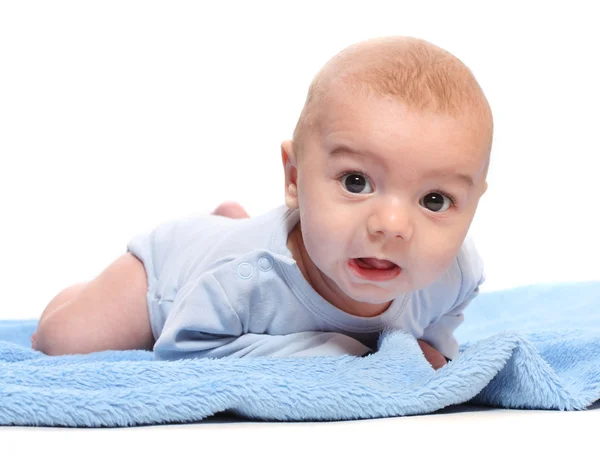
{"x": 393, "y": 221}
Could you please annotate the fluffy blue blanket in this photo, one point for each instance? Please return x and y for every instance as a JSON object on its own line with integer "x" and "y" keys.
{"x": 534, "y": 347}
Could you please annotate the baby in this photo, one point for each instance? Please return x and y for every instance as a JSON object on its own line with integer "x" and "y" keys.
{"x": 382, "y": 179}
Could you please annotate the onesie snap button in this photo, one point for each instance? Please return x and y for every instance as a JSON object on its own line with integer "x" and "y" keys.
{"x": 245, "y": 270}
{"x": 265, "y": 263}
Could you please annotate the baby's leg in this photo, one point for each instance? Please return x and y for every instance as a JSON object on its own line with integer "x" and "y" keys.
{"x": 63, "y": 297}
{"x": 83, "y": 318}
{"x": 109, "y": 312}
{"x": 231, "y": 210}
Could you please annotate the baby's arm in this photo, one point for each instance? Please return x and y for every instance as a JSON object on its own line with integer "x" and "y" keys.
{"x": 440, "y": 333}
{"x": 203, "y": 324}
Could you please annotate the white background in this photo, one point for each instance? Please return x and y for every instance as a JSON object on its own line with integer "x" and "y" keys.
{"x": 117, "y": 115}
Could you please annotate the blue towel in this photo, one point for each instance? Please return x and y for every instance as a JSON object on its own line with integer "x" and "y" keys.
{"x": 535, "y": 347}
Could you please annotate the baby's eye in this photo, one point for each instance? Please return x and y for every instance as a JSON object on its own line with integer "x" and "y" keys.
{"x": 356, "y": 183}
{"x": 436, "y": 202}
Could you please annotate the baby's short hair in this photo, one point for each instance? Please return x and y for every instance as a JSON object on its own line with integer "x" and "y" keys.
{"x": 421, "y": 75}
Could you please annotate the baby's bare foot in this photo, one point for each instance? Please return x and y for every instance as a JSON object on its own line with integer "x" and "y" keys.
{"x": 33, "y": 344}
{"x": 231, "y": 210}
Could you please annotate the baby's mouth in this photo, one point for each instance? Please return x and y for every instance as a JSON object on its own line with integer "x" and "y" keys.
{"x": 373, "y": 263}
{"x": 375, "y": 270}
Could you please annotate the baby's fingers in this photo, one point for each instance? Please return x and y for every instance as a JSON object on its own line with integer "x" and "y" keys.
{"x": 433, "y": 356}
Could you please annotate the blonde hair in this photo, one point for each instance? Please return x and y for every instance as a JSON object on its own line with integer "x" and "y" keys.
{"x": 421, "y": 75}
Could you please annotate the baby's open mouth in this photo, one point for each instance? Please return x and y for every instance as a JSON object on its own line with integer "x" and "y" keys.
{"x": 372, "y": 269}
{"x": 373, "y": 263}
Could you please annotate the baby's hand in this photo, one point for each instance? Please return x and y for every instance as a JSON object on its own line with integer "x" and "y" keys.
{"x": 433, "y": 356}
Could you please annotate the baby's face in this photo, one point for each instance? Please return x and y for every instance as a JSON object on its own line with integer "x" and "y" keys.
{"x": 380, "y": 181}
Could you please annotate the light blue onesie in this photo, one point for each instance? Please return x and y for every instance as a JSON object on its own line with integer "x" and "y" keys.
{"x": 222, "y": 287}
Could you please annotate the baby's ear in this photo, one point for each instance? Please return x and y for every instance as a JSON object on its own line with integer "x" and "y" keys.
{"x": 291, "y": 174}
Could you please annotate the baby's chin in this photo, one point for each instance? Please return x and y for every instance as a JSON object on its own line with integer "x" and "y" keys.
{"x": 373, "y": 294}
{"x": 373, "y": 300}
{"x": 377, "y": 294}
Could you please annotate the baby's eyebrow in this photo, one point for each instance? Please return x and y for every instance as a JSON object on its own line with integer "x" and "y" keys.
{"x": 343, "y": 149}
{"x": 464, "y": 178}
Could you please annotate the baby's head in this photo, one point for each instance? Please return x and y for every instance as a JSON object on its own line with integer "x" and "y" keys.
{"x": 388, "y": 161}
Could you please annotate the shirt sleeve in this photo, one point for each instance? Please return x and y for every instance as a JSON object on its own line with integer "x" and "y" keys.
{"x": 440, "y": 333}
{"x": 202, "y": 324}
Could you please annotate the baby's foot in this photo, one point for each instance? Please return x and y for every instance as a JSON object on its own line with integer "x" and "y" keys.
{"x": 33, "y": 343}
{"x": 231, "y": 210}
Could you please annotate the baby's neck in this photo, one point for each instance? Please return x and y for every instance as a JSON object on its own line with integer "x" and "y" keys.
{"x": 323, "y": 285}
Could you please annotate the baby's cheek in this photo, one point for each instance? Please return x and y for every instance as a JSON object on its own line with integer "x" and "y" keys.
{"x": 435, "y": 264}
{"x": 320, "y": 223}
{"x": 319, "y": 243}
